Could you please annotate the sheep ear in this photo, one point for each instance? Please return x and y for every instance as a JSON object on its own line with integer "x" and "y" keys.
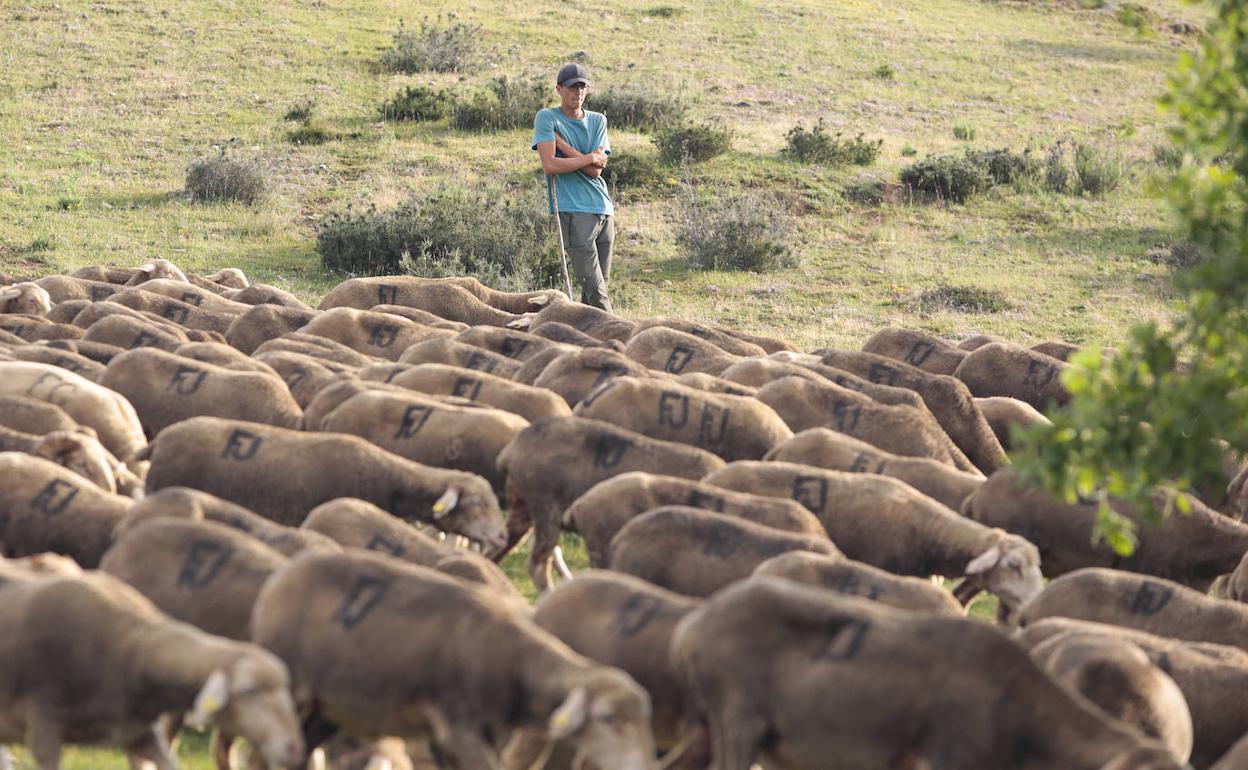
{"x": 985, "y": 561}
{"x": 147, "y": 267}
{"x": 523, "y": 322}
{"x": 211, "y": 699}
{"x": 8, "y": 294}
{"x": 446, "y": 503}
{"x": 569, "y": 717}
{"x": 539, "y": 300}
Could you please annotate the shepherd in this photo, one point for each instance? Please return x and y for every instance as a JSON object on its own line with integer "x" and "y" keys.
{"x": 573, "y": 146}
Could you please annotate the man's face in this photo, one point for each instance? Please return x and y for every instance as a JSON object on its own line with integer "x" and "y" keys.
{"x": 573, "y": 96}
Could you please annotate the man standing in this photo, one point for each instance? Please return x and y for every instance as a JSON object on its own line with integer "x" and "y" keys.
{"x": 573, "y": 146}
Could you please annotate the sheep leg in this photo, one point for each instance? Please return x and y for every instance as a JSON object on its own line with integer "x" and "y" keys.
{"x": 519, "y": 522}
{"x": 541, "y": 554}
{"x": 43, "y": 740}
{"x": 692, "y": 753}
{"x": 221, "y": 746}
{"x": 736, "y": 733}
{"x": 525, "y": 750}
{"x": 6, "y": 759}
{"x": 150, "y": 751}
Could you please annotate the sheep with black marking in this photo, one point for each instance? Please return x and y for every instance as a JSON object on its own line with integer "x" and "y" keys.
{"x": 33, "y": 328}
{"x": 576, "y": 374}
{"x": 720, "y": 339}
{"x": 96, "y": 351}
{"x": 757, "y": 372}
{"x": 154, "y": 269}
{"x": 1005, "y": 369}
{"x": 79, "y": 450}
{"x": 96, "y": 311}
{"x": 31, "y": 415}
{"x": 305, "y": 376}
{"x": 412, "y": 291}
{"x": 599, "y": 514}
{"x": 854, "y": 578}
{"x": 509, "y": 343}
{"x": 567, "y": 335}
{"x": 25, "y": 297}
{"x": 129, "y": 332}
{"x": 104, "y": 273}
{"x": 221, "y": 354}
{"x": 668, "y": 350}
{"x": 187, "y": 294}
{"x": 1004, "y": 413}
{"x": 317, "y": 346}
{"x": 184, "y": 314}
{"x": 587, "y": 319}
{"x": 449, "y": 351}
{"x": 262, "y": 323}
{"x": 63, "y": 287}
{"x": 530, "y": 402}
{"x": 919, "y": 349}
{"x": 421, "y": 317}
{"x": 264, "y": 294}
{"x": 62, "y": 359}
{"x": 444, "y": 299}
{"x": 712, "y": 384}
{"x": 379, "y": 335}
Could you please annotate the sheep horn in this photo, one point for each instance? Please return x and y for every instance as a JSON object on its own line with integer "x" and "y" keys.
{"x": 446, "y": 503}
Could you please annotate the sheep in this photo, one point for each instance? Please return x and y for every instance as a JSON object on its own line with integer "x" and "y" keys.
{"x": 335, "y": 393}
{"x": 1062, "y": 351}
{"x": 31, "y": 415}
{"x": 130, "y": 333}
{"x": 509, "y": 343}
{"x": 62, "y": 287}
{"x": 265, "y": 322}
{"x": 1149, "y": 604}
{"x": 305, "y": 376}
{"x": 733, "y": 427}
{"x": 32, "y": 328}
{"x": 946, "y": 397}
{"x": 95, "y": 311}
{"x": 96, "y": 351}
{"x": 977, "y": 341}
{"x": 422, "y": 317}
{"x": 25, "y": 297}
{"x": 712, "y": 384}
{"x": 531, "y": 403}
{"x": 282, "y": 474}
{"x": 380, "y": 335}
{"x": 221, "y": 354}
{"x": 107, "y": 664}
{"x": 925, "y": 351}
{"x": 1003, "y": 412}
{"x": 111, "y": 416}
{"x": 696, "y": 552}
{"x": 448, "y": 351}
{"x": 720, "y": 339}
{"x": 675, "y": 352}
{"x": 805, "y": 404}
{"x": 62, "y": 359}
{"x": 575, "y": 375}
{"x": 854, "y": 578}
{"x": 45, "y": 507}
{"x": 184, "y": 314}
{"x": 154, "y": 269}
{"x": 757, "y": 372}
{"x": 422, "y": 429}
{"x": 561, "y": 332}
{"x": 767, "y": 661}
{"x": 230, "y": 278}
{"x": 264, "y": 294}
{"x": 318, "y": 346}
{"x": 186, "y": 503}
{"x": 473, "y": 669}
{"x": 104, "y": 274}
{"x": 199, "y": 572}
{"x": 531, "y": 369}
{"x": 1005, "y": 369}
{"x": 1191, "y": 549}
{"x": 579, "y": 453}
{"x": 447, "y": 300}
{"x": 363, "y": 293}
{"x": 771, "y": 345}
{"x": 835, "y": 451}
{"x": 79, "y": 450}
{"x": 600, "y": 512}
{"x": 187, "y": 294}
{"x": 584, "y": 318}
{"x": 359, "y": 524}
{"x": 1120, "y": 680}
{"x": 1236, "y": 758}
{"x": 65, "y": 312}
{"x": 887, "y": 524}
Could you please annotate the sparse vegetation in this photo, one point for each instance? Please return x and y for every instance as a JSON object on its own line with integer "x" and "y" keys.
{"x": 692, "y": 143}
{"x": 301, "y": 110}
{"x": 637, "y": 108}
{"x": 817, "y": 146}
{"x": 964, "y": 132}
{"x": 723, "y": 230}
{"x": 908, "y": 151}
{"x": 949, "y": 177}
{"x": 224, "y": 178}
{"x": 1098, "y": 169}
{"x": 637, "y": 174}
{"x": 417, "y": 103}
{"x": 506, "y": 103}
{"x": 444, "y": 45}
{"x": 310, "y": 133}
{"x": 963, "y": 299}
{"x": 884, "y": 72}
{"x": 1168, "y": 156}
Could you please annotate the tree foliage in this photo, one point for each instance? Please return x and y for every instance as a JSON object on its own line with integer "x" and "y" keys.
{"x": 1150, "y": 418}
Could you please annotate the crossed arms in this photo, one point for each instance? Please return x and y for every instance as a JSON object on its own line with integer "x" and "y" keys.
{"x": 590, "y": 163}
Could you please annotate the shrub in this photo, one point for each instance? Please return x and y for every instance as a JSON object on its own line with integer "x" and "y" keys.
{"x": 224, "y": 179}
{"x": 692, "y": 142}
{"x": 735, "y": 231}
{"x": 486, "y": 229}
{"x": 964, "y": 132}
{"x": 1005, "y": 167}
{"x": 1098, "y": 171}
{"x": 1056, "y": 172}
{"x": 908, "y": 151}
{"x": 963, "y": 299}
{"x": 438, "y": 47}
{"x": 867, "y": 191}
{"x": 309, "y": 133}
{"x": 816, "y": 146}
{"x": 636, "y": 172}
{"x": 1168, "y": 156}
{"x": 637, "y": 108}
{"x": 1137, "y": 17}
{"x": 955, "y": 177}
{"x": 417, "y": 103}
{"x": 301, "y": 111}
{"x": 664, "y": 11}
{"x": 884, "y": 72}
{"x": 506, "y": 103}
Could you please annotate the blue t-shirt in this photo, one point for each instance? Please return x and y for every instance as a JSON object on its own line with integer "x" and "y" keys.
{"x": 576, "y": 190}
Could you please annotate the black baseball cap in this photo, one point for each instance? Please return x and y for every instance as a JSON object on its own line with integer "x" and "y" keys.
{"x": 571, "y": 74}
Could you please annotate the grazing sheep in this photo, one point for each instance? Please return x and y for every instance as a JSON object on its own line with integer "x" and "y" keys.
{"x": 916, "y": 348}
{"x": 61, "y": 288}
{"x": 696, "y": 552}
{"x": 78, "y": 450}
{"x": 199, "y": 572}
{"x": 835, "y": 451}
{"x": 318, "y": 346}
{"x": 946, "y": 397}
{"x": 449, "y": 351}
{"x": 1149, "y": 604}
{"x": 305, "y": 376}
{"x": 447, "y": 300}
{"x": 422, "y": 429}
{"x": 359, "y": 524}
{"x": 282, "y": 474}
{"x": 1234, "y": 585}
{"x": 33, "y": 328}
{"x": 45, "y": 507}
{"x": 227, "y": 278}
{"x": 1062, "y": 351}
{"x": 31, "y": 415}
{"x": 165, "y": 388}
{"x": 264, "y": 294}
{"x": 887, "y": 524}
{"x": 733, "y": 427}
{"x": 675, "y": 352}
{"x": 530, "y": 370}
{"x": 1236, "y": 758}
{"x": 531, "y": 403}
{"x": 767, "y": 661}
{"x": 509, "y": 343}
{"x": 104, "y": 274}
{"x": 129, "y": 333}
{"x": 712, "y": 384}
{"x": 192, "y": 504}
{"x": 364, "y": 293}
{"x": 111, "y": 416}
{"x": 576, "y": 374}
{"x": 94, "y": 311}
{"x": 25, "y": 297}
{"x": 584, "y": 318}
{"x": 579, "y": 453}
{"x": 561, "y": 332}
{"x": 423, "y": 317}
{"x": 720, "y": 339}
{"x": 185, "y": 314}
{"x": 977, "y": 341}
{"x": 263, "y": 323}
{"x": 607, "y": 506}
{"x": 96, "y": 351}
{"x": 187, "y": 294}
{"x": 221, "y": 354}
{"x": 1005, "y": 369}
{"x": 757, "y": 372}
{"x": 62, "y": 359}
{"x": 87, "y": 659}
{"x": 380, "y": 335}
{"x": 472, "y": 669}
{"x": 805, "y": 404}
{"x": 1003, "y": 412}
{"x": 854, "y": 578}
{"x": 1192, "y": 548}
{"x": 154, "y": 269}
{"x": 65, "y": 312}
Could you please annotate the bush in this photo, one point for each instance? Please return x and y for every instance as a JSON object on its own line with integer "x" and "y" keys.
{"x": 438, "y": 47}
{"x": 963, "y": 299}
{"x": 640, "y": 109}
{"x": 1005, "y": 167}
{"x": 505, "y": 104}
{"x": 635, "y": 172}
{"x": 964, "y": 132}
{"x": 309, "y": 133}
{"x": 417, "y": 103}
{"x": 884, "y": 72}
{"x": 1168, "y": 156}
{"x": 908, "y": 151}
{"x": 1098, "y": 171}
{"x": 948, "y": 176}
{"x": 301, "y": 111}
{"x": 224, "y": 179}
{"x": 692, "y": 142}
{"x": 1056, "y": 173}
{"x": 735, "y": 231}
{"x": 501, "y": 234}
{"x": 816, "y": 146}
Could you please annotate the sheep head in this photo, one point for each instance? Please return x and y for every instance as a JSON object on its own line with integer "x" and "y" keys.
{"x": 231, "y": 278}
{"x": 1009, "y": 568}
{"x": 82, "y": 453}
{"x": 25, "y": 297}
{"x": 606, "y": 715}
{"x": 251, "y": 698}
{"x": 469, "y": 507}
{"x": 157, "y": 268}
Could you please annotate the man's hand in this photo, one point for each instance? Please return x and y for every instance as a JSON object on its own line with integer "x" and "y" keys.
{"x": 594, "y": 162}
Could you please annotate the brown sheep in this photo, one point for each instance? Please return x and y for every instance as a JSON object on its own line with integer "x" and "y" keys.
{"x": 65, "y": 312}
{"x": 607, "y": 506}
{"x": 96, "y": 351}
{"x": 579, "y": 453}
{"x": 925, "y": 351}
{"x": 62, "y": 287}
{"x": 577, "y": 374}
{"x": 420, "y": 316}
{"x": 318, "y": 346}
{"x": 33, "y": 328}
{"x": 447, "y": 300}
{"x": 720, "y": 339}
{"x": 769, "y": 659}
{"x": 473, "y": 669}
{"x": 32, "y": 415}
{"x": 228, "y": 278}
{"x": 336, "y": 392}
{"x": 25, "y": 297}
{"x": 769, "y": 344}
{"x": 530, "y": 370}
{"x": 154, "y": 269}
{"x": 825, "y": 448}
{"x": 509, "y": 343}
{"x": 887, "y": 524}
{"x": 263, "y": 323}
{"x": 62, "y": 359}
{"x": 854, "y": 578}
{"x": 1062, "y": 351}
{"x": 221, "y": 354}
{"x": 696, "y": 552}
{"x": 264, "y": 294}
{"x": 531, "y": 403}
{"x": 80, "y": 451}
{"x": 1003, "y": 412}
{"x": 584, "y": 318}
{"x": 977, "y": 341}
{"x": 188, "y": 294}
{"x": 675, "y": 352}
{"x": 561, "y": 332}
{"x": 95, "y": 311}
{"x": 380, "y": 335}
{"x": 712, "y": 384}
{"x": 282, "y": 474}
{"x": 757, "y": 372}
{"x": 448, "y": 351}
{"x": 184, "y": 314}
{"x": 733, "y": 427}
{"x": 364, "y": 293}
{"x": 305, "y": 376}
{"x": 946, "y": 397}
{"x": 166, "y": 388}
{"x": 1004, "y": 369}
{"x": 104, "y": 274}
{"x": 129, "y": 333}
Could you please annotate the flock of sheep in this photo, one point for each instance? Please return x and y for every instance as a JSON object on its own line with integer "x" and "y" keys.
{"x": 220, "y": 506}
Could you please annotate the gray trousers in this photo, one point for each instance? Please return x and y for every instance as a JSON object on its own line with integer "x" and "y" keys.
{"x": 589, "y": 239}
